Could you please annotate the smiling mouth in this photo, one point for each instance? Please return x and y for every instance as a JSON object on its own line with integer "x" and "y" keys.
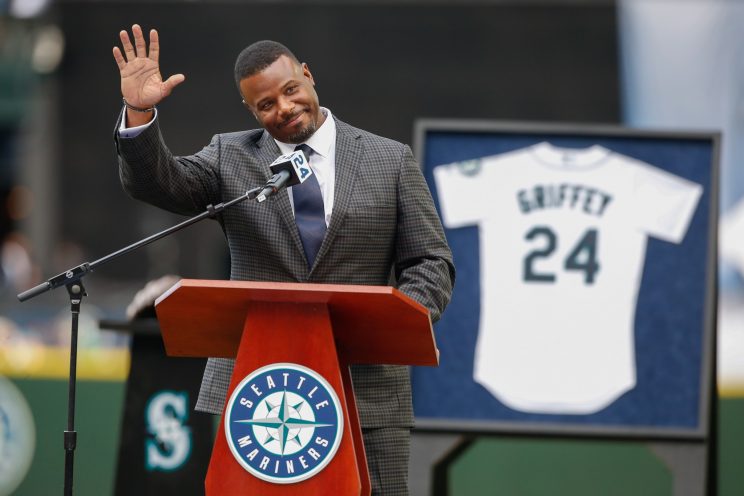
{"x": 295, "y": 119}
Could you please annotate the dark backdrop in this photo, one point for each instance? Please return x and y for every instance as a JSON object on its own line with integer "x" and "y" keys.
{"x": 378, "y": 66}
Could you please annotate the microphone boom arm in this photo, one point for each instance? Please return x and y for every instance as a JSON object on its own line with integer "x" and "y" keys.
{"x": 74, "y": 274}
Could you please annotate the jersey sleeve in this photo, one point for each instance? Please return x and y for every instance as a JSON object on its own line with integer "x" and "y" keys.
{"x": 665, "y": 203}
{"x": 459, "y": 186}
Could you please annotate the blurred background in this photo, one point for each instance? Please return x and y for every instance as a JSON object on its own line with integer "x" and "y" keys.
{"x": 379, "y": 65}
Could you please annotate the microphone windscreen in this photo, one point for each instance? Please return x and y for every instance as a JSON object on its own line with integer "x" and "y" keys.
{"x": 296, "y": 164}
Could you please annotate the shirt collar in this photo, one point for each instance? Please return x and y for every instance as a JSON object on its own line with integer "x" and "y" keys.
{"x": 321, "y": 141}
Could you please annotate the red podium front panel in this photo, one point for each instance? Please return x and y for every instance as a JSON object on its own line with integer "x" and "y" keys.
{"x": 281, "y": 433}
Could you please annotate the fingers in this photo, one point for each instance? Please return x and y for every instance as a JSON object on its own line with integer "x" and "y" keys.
{"x": 119, "y": 58}
{"x": 172, "y": 82}
{"x": 154, "y": 45}
{"x": 139, "y": 49}
{"x": 128, "y": 48}
{"x": 139, "y": 41}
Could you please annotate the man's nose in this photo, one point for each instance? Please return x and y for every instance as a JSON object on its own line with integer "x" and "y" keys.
{"x": 286, "y": 106}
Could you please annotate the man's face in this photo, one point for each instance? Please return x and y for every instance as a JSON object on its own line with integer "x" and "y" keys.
{"x": 282, "y": 98}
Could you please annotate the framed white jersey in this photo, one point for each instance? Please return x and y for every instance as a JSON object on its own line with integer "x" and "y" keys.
{"x": 585, "y": 261}
{"x": 562, "y": 245}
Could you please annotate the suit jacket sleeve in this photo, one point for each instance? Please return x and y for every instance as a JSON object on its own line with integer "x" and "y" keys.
{"x": 423, "y": 261}
{"x": 149, "y": 172}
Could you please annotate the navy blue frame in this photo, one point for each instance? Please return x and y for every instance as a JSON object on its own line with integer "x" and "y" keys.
{"x": 675, "y": 313}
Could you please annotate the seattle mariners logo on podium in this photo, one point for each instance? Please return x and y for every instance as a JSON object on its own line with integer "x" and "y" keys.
{"x": 283, "y": 423}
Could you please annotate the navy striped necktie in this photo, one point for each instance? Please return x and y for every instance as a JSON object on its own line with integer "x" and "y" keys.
{"x": 309, "y": 212}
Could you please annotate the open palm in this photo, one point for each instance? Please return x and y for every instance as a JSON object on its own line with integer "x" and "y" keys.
{"x": 142, "y": 85}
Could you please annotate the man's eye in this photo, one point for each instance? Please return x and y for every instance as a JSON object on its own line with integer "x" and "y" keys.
{"x": 291, "y": 90}
{"x": 265, "y": 106}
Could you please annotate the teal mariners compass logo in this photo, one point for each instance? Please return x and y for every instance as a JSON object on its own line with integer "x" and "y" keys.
{"x": 283, "y": 423}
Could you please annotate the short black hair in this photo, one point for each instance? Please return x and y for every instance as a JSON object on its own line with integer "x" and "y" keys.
{"x": 257, "y": 57}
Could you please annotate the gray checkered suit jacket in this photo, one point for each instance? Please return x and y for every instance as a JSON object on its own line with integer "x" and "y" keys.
{"x": 383, "y": 223}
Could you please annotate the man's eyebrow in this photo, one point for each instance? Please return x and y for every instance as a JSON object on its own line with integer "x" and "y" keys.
{"x": 290, "y": 81}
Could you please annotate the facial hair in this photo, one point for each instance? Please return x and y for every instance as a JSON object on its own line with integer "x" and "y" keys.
{"x": 303, "y": 134}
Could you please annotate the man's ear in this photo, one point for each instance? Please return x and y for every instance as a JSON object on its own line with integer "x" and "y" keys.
{"x": 306, "y": 72}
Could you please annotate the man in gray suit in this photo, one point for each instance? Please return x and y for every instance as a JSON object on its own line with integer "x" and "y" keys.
{"x": 369, "y": 220}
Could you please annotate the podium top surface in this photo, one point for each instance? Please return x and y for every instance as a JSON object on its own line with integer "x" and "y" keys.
{"x": 371, "y": 324}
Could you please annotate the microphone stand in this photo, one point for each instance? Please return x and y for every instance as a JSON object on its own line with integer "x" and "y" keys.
{"x": 72, "y": 279}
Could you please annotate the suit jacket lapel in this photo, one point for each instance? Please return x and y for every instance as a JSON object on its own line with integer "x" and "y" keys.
{"x": 348, "y": 152}
{"x": 267, "y": 153}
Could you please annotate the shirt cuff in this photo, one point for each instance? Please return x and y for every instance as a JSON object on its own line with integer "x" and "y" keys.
{"x": 132, "y": 132}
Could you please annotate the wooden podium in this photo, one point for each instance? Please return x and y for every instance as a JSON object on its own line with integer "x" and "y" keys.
{"x": 290, "y": 328}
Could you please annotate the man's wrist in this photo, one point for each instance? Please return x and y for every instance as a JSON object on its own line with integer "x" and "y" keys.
{"x": 133, "y": 118}
{"x": 137, "y": 109}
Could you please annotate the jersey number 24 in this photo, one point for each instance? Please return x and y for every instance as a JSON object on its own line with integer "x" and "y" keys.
{"x": 583, "y": 257}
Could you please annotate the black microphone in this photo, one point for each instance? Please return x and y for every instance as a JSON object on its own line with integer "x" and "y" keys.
{"x": 288, "y": 170}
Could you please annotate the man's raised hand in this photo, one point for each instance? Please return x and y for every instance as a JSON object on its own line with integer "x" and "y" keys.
{"x": 142, "y": 86}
